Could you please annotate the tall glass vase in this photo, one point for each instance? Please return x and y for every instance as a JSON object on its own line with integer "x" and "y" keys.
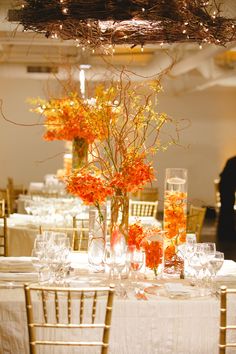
{"x": 175, "y": 216}
{"x": 119, "y": 219}
{"x": 79, "y": 153}
{"x": 97, "y": 237}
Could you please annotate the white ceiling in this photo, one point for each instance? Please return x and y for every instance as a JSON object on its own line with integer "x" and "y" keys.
{"x": 191, "y": 67}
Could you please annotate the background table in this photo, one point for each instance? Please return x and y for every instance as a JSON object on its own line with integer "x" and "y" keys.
{"x": 23, "y": 228}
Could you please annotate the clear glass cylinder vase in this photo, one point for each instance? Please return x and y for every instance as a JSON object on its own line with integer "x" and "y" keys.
{"x": 175, "y": 217}
{"x": 97, "y": 237}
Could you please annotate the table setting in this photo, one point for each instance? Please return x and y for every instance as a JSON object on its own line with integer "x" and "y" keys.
{"x": 165, "y": 305}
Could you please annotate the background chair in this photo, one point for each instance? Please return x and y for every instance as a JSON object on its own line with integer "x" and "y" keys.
{"x": 146, "y": 194}
{"x": 82, "y": 309}
{"x": 142, "y": 208}
{"x": 224, "y": 327}
{"x": 3, "y": 237}
{"x": 69, "y": 231}
{"x": 195, "y": 220}
{"x": 2, "y": 207}
{"x": 81, "y": 235}
{"x": 12, "y": 194}
{"x": 78, "y": 233}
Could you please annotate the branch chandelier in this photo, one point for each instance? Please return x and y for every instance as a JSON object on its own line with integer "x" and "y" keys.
{"x": 96, "y": 23}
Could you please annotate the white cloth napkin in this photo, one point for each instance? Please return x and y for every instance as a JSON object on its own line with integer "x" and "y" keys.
{"x": 16, "y": 264}
{"x": 18, "y": 277}
{"x": 176, "y": 288}
{"x": 227, "y": 272}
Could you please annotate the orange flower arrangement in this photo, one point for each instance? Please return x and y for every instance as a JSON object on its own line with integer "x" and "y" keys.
{"x": 91, "y": 189}
{"x": 71, "y": 117}
{"x": 135, "y": 235}
{"x": 122, "y": 130}
{"x": 134, "y": 174}
{"x": 131, "y": 130}
{"x": 145, "y": 239}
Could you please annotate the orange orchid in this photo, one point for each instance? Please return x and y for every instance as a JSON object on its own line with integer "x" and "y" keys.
{"x": 91, "y": 189}
{"x": 70, "y": 117}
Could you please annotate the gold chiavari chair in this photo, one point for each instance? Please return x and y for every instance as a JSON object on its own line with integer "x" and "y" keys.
{"x": 2, "y": 207}
{"x": 57, "y": 308}
{"x": 3, "y": 237}
{"x": 142, "y": 208}
{"x": 71, "y": 232}
{"x": 224, "y": 326}
{"x": 195, "y": 220}
{"x": 78, "y": 233}
{"x": 146, "y": 194}
{"x": 12, "y": 193}
{"x": 80, "y": 240}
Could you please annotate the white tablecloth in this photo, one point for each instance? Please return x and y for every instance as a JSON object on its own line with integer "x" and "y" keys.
{"x": 157, "y": 326}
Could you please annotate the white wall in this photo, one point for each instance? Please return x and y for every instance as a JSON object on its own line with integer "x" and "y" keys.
{"x": 22, "y": 147}
{"x": 205, "y": 145}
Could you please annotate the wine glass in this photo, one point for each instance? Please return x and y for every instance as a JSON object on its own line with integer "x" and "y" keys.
{"x": 120, "y": 256}
{"x": 196, "y": 261}
{"x": 137, "y": 259}
{"x": 215, "y": 264}
{"x": 109, "y": 261}
{"x": 209, "y": 250}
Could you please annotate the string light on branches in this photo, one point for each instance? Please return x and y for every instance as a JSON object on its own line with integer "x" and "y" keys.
{"x": 99, "y": 23}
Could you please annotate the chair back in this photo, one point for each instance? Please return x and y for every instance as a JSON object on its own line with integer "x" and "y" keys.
{"x": 195, "y": 220}
{"x": 69, "y": 231}
{"x": 146, "y": 194}
{"x": 142, "y": 208}
{"x": 217, "y": 194}
{"x": 2, "y": 207}
{"x": 78, "y": 233}
{"x": 12, "y": 193}
{"x": 3, "y": 238}
{"x": 224, "y": 326}
{"x": 84, "y": 312}
{"x": 81, "y": 235}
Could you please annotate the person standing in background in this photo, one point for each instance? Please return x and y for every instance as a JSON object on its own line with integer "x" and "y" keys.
{"x": 226, "y": 230}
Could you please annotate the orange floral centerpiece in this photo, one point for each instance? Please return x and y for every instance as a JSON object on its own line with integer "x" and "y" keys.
{"x": 72, "y": 118}
{"x": 120, "y": 161}
{"x": 121, "y": 131}
{"x": 151, "y": 241}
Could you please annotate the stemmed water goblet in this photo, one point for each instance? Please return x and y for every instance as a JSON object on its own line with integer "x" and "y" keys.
{"x": 209, "y": 250}
{"x": 197, "y": 261}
